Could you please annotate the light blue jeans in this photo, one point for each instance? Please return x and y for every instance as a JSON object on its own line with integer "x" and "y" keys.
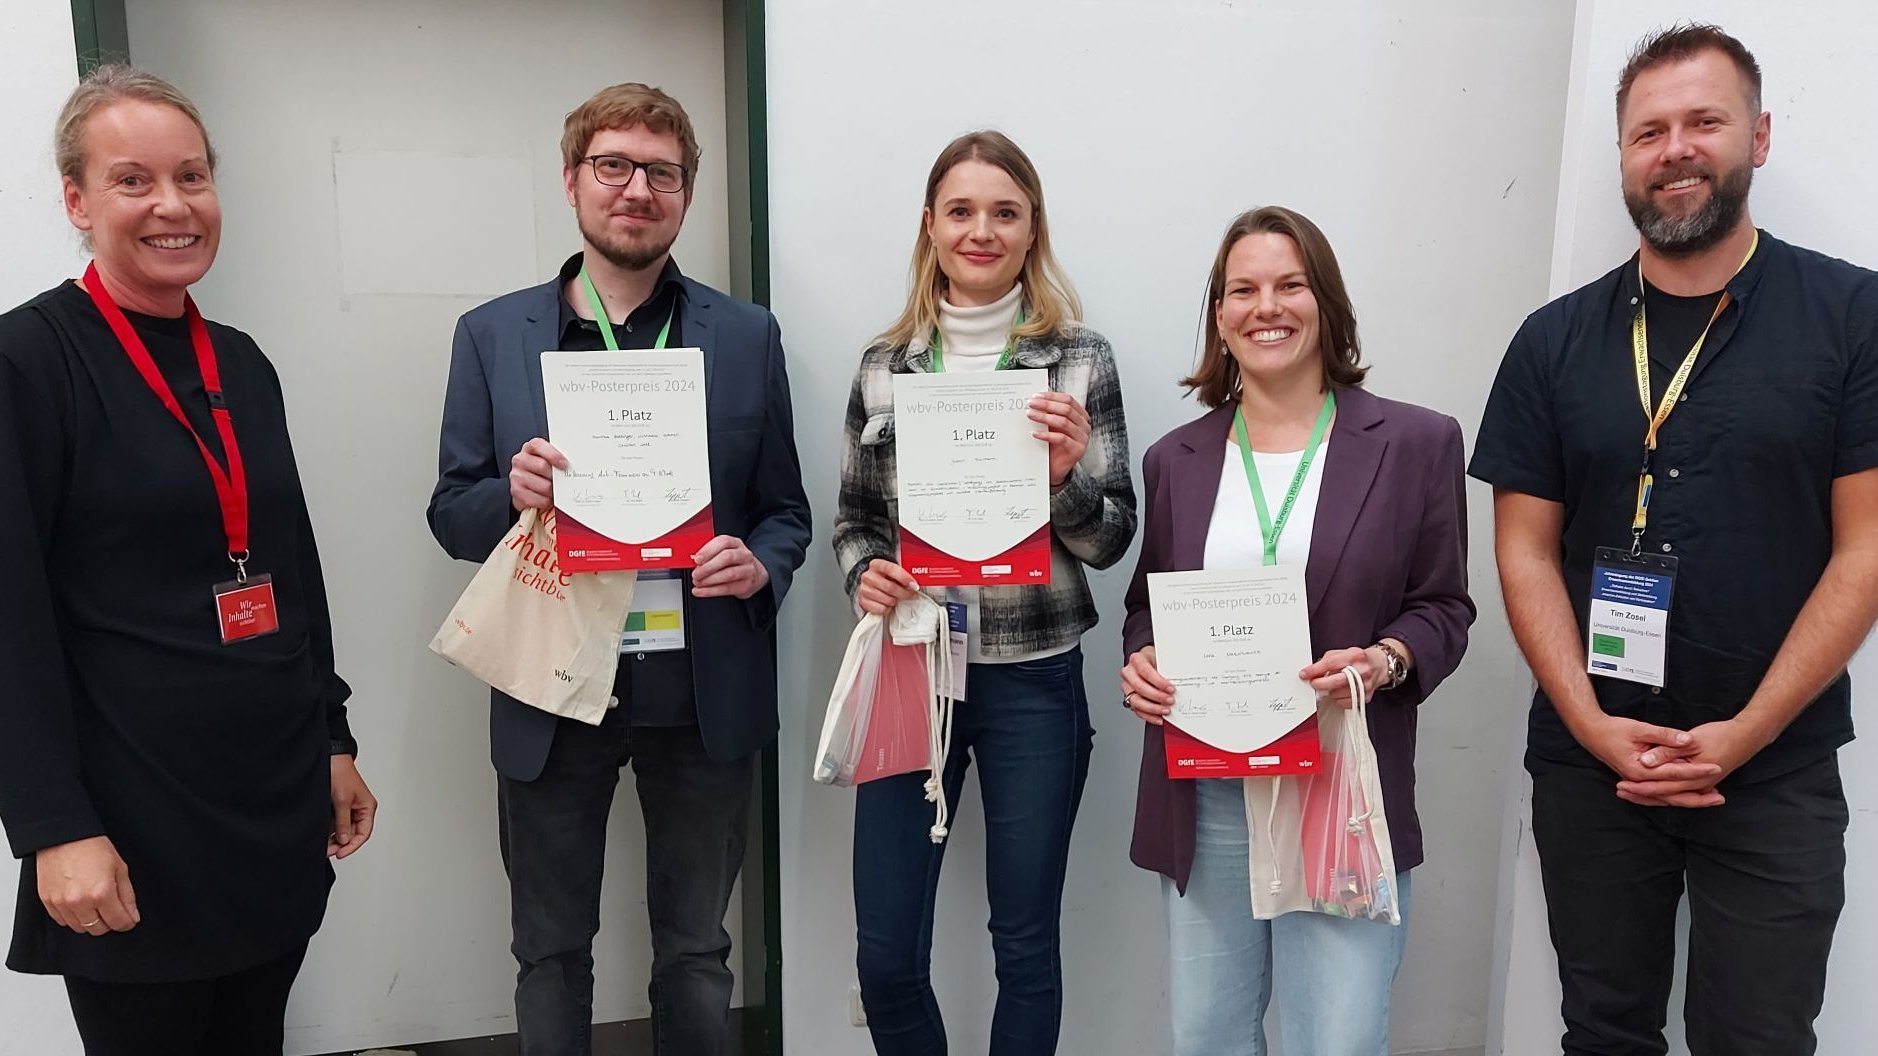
{"x": 1332, "y": 974}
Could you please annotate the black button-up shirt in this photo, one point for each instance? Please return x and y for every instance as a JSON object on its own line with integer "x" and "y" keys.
{"x": 1782, "y": 400}
{"x": 656, "y": 689}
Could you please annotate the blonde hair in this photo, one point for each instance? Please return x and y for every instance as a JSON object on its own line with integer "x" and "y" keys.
{"x": 102, "y": 87}
{"x": 1051, "y": 304}
{"x": 629, "y": 106}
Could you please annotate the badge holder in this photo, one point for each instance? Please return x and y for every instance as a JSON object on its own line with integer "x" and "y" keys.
{"x": 656, "y": 623}
{"x": 1628, "y": 623}
{"x": 244, "y": 605}
{"x": 958, "y": 646}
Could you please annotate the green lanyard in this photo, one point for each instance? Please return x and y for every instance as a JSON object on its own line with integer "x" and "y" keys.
{"x": 1004, "y": 357}
{"x": 1269, "y": 528}
{"x": 606, "y": 325}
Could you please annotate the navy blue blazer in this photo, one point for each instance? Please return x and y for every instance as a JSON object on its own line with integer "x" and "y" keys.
{"x": 495, "y": 404}
{"x": 1388, "y": 559}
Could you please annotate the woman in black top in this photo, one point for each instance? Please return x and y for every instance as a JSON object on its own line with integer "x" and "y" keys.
{"x": 175, "y": 764}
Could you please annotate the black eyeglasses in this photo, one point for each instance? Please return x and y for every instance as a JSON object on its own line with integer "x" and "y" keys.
{"x": 616, "y": 171}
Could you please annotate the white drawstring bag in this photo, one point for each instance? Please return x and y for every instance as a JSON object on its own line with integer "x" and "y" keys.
{"x": 890, "y": 711}
{"x": 1320, "y": 842}
{"x": 548, "y": 639}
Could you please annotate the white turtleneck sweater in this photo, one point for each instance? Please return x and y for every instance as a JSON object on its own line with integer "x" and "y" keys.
{"x": 974, "y": 339}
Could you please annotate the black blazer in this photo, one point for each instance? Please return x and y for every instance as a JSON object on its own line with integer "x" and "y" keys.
{"x": 495, "y": 404}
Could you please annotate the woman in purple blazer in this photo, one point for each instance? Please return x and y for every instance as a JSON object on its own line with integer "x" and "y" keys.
{"x": 1379, "y": 521}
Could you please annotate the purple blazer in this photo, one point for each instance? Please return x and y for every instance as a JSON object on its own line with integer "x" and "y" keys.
{"x": 1388, "y": 559}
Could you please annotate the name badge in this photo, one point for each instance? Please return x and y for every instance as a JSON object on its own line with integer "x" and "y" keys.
{"x": 656, "y": 623}
{"x": 958, "y": 646}
{"x": 1629, "y": 615}
{"x": 245, "y": 609}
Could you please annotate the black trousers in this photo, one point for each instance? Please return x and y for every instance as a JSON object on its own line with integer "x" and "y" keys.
{"x": 554, "y": 847}
{"x": 1765, "y": 875}
{"x": 234, "y": 1015}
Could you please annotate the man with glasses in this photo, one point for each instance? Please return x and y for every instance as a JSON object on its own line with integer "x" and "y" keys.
{"x": 692, "y": 719}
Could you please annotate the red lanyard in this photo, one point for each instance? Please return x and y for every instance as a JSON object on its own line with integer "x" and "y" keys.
{"x": 231, "y": 486}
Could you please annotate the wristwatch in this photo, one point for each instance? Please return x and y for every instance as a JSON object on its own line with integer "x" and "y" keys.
{"x": 1394, "y": 664}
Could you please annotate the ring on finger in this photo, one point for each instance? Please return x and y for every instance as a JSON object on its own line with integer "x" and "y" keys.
{"x": 1128, "y": 700}
{"x": 93, "y": 923}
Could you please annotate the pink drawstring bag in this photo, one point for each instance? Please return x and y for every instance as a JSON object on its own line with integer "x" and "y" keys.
{"x": 891, "y": 708}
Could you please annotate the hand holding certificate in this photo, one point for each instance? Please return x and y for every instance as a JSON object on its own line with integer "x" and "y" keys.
{"x": 637, "y": 490}
{"x": 974, "y": 482}
{"x": 1233, "y": 642}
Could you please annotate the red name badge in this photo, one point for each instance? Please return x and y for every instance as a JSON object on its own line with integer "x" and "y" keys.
{"x": 246, "y": 609}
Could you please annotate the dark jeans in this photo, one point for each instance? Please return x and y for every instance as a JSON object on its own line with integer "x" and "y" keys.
{"x": 1766, "y": 880}
{"x": 234, "y": 1015}
{"x": 1027, "y": 725}
{"x": 554, "y": 846}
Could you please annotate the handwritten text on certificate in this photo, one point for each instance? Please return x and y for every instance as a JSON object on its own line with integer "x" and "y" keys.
{"x": 974, "y": 483}
{"x": 1233, "y": 641}
{"x": 637, "y": 490}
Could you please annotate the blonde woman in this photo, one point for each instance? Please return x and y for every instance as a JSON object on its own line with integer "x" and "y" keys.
{"x": 175, "y": 764}
{"x": 986, "y": 294}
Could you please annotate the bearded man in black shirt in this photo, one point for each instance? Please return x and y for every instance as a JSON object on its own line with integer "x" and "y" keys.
{"x": 1684, "y": 457}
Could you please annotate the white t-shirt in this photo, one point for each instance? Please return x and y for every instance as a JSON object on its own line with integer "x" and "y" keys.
{"x": 1233, "y": 539}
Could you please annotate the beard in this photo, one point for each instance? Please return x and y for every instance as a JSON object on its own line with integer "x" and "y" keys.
{"x": 1685, "y": 236}
{"x": 625, "y": 252}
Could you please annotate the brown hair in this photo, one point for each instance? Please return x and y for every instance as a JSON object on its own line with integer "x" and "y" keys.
{"x": 629, "y": 106}
{"x": 108, "y": 84}
{"x": 1050, "y": 302}
{"x": 1216, "y": 381}
{"x": 1680, "y": 43}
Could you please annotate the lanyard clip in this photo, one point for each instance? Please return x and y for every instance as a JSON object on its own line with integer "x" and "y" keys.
{"x": 1636, "y": 542}
{"x": 241, "y": 565}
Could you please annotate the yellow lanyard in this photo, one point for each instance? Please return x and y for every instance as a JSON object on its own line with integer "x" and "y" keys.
{"x": 1640, "y": 349}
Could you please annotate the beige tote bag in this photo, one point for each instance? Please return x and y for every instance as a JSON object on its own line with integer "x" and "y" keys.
{"x": 547, "y": 638}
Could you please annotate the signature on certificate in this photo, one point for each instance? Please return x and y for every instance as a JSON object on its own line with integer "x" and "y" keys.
{"x": 582, "y": 497}
{"x": 678, "y": 494}
{"x": 1020, "y": 513}
{"x": 930, "y": 514}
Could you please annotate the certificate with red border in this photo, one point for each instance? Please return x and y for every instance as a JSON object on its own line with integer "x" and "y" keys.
{"x": 1233, "y": 641}
{"x": 973, "y": 482}
{"x": 637, "y": 489}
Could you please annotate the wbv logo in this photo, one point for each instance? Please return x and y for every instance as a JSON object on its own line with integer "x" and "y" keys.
{"x": 562, "y": 675}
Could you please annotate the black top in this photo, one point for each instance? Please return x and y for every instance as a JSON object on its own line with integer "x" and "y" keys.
{"x": 1783, "y": 399}
{"x": 123, "y": 714}
{"x": 655, "y": 688}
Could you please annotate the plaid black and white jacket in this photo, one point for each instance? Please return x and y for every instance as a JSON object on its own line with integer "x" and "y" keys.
{"x": 1092, "y": 518}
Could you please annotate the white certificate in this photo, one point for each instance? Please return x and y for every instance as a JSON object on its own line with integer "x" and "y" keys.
{"x": 637, "y": 490}
{"x": 1233, "y": 641}
{"x": 974, "y": 484}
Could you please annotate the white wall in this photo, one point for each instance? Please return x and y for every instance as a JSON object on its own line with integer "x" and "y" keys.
{"x": 1426, "y": 147}
{"x": 37, "y": 69}
{"x": 1818, "y": 87}
{"x": 389, "y": 164}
